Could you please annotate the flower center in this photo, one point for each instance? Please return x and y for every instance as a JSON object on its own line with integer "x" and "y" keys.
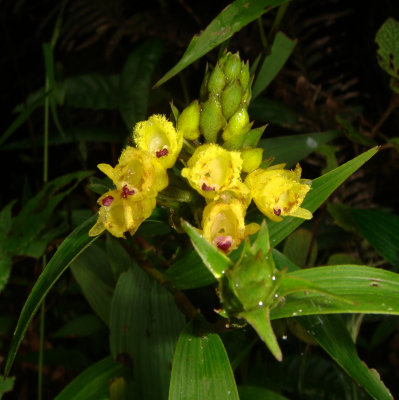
{"x": 161, "y": 153}
{"x": 107, "y": 201}
{"x": 207, "y": 188}
{"x": 224, "y": 242}
{"x": 126, "y": 192}
{"x": 277, "y": 211}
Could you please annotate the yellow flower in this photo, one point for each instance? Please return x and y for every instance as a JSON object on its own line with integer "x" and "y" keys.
{"x": 239, "y": 191}
{"x": 212, "y": 169}
{"x": 223, "y": 224}
{"x": 137, "y": 175}
{"x": 158, "y": 136}
{"x": 278, "y": 192}
{"x": 119, "y": 214}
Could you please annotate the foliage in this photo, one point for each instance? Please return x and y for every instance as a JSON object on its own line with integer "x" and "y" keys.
{"x": 181, "y": 286}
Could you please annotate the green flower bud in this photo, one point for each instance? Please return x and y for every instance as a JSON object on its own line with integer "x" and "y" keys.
{"x": 244, "y": 76}
{"x": 217, "y": 80}
{"x": 211, "y": 119}
{"x": 189, "y": 121}
{"x": 232, "y": 67}
{"x": 238, "y": 124}
{"x": 251, "y": 159}
{"x": 204, "y": 85}
{"x": 231, "y": 98}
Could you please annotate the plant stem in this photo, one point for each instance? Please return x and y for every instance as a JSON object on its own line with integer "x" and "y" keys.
{"x": 393, "y": 104}
{"x": 262, "y": 35}
{"x": 277, "y": 22}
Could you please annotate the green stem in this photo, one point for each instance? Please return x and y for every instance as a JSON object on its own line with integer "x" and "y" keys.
{"x": 277, "y": 22}
{"x": 262, "y": 34}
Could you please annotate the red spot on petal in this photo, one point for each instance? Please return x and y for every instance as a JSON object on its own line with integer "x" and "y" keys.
{"x": 277, "y": 211}
{"x": 161, "y": 153}
{"x": 126, "y": 192}
{"x": 207, "y": 188}
{"x": 224, "y": 242}
{"x": 107, "y": 201}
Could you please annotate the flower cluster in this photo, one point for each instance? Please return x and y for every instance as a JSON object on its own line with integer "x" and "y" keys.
{"x": 225, "y": 170}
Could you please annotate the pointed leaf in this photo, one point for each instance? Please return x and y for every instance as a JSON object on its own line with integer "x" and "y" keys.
{"x": 216, "y": 261}
{"x": 322, "y": 188}
{"x": 260, "y": 320}
{"x": 232, "y": 19}
{"x": 201, "y": 368}
{"x": 70, "y": 248}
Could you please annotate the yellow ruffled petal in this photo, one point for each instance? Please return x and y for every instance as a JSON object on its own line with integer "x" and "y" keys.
{"x": 278, "y": 192}
{"x": 223, "y": 224}
{"x": 158, "y": 136}
{"x": 213, "y": 169}
{"x": 119, "y": 214}
{"x": 137, "y": 174}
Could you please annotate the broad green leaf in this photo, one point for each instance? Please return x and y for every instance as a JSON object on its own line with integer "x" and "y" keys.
{"x": 258, "y": 393}
{"x": 189, "y": 272}
{"x": 291, "y": 149}
{"x": 381, "y": 229}
{"x": 95, "y": 278}
{"x": 232, "y": 19}
{"x": 135, "y": 82}
{"x": 68, "y": 251}
{"x": 6, "y": 218}
{"x": 201, "y": 368}
{"x": 270, "y": 111}
{"x": 5, "y": 268}
{"x": 367, "y": 290}
{"x": 282, "y": 262}
{"x": 93, "y": 383}
{"x": 92, "y": 91}
{"x": 297, "y": 248}
{"x": 322, "y": 188}
{"x": 6, "y": 384}
{"x": 216, "y": 261}
{"x": 118, "y": 257}
{"x": 81, "y": 326}
{"x": 282, "y": 48}
{"x": 387, "y": 39}
{"x": 331, "y": 333}
{"x": 145, "y": 325}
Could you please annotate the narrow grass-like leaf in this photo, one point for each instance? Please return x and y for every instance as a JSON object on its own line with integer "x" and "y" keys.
{"x": 369, "y": 290}
{"x": 282, "y": 48}
{"x": 201, "y": 368}
{"x": 322, "y": 188}
{"x": 293, "y": 148}
{"x": 381, "y": 229}
{"x": 145, "y": 325}
{"x": 94, "y": 382}
{"x": 214, "y": 259}
{"x": 232, "y": 19}
{"x": 68, "y": 251}
{"x": 331, "y": 333}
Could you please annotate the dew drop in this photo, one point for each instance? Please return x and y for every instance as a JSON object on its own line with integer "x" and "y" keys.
{"x": 284, "y": 337}
{"x": 260, "y": 303}
{"x": 273, "y": 278}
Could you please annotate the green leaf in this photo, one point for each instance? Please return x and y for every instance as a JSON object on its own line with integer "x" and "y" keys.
{"x": 6, "y": 218}
{"x": 282, "y": 48}
{"x": 259, "y": 319}
{"x": 322, "y": 188}
{"x": 216, "y": 261}
{"x": 6, "y": 384}
{"x": 381, "y": 229}
{"x": 81, "y": 326}
{"x": 270, "y": 111}
{"x": 201, "y": 368}
{"x": 135, "y": 81}
{"x": 258, "y": 393}
{"x": 366, "y": 289}
{"x": 297, "y": 248}
{"x": 353, "y": 134}
{"x": 118, "y": 257}
{"x": 92, "y": 91}
{"x": 5, "y": 268}
{"x": 189, "y": 272}
{"x": 145, "y": 325}
{"x": 93, "y": 383}
{"x": 331, "y": 334}
{"x": 94, "y": 276}
{"x": 232, "y": 19}
{"x": 387, "y": 39}
{"x": 69, "y": 249}
{"x": 291, "y": 149}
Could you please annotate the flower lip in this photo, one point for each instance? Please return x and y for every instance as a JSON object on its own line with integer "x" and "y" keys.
{"x": 162, "y": 153}
{"x": 277, "y": 211}
{"x": 224, "y": 242}
{"x": 126, "y": 192}
{"x": 107, "y": 201}
{"x": 207, "y": 188}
